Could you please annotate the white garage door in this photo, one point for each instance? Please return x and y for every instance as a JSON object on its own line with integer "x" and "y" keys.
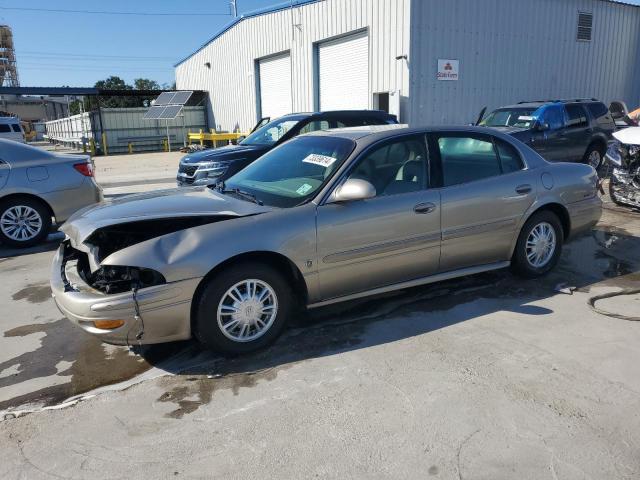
{"x": 275, "y": 86}
{"x": 344, "y": 73}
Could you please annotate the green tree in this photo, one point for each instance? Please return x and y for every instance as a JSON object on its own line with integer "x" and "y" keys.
{"x": 145, "y": 84}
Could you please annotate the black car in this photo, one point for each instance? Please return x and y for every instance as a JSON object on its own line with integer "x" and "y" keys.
{"x": 208, "y": 167}
{"x": 559, "y": 130}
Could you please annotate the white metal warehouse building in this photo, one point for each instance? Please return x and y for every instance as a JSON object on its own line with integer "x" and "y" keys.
{"x": 427, "y": 61}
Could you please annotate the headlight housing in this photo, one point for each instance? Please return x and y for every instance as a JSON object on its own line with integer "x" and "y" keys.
{"x": 213, "y": 169}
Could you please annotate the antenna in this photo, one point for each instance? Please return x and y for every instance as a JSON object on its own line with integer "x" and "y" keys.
{"x": 8, "y": 66}
{"x": 234, "y": 8}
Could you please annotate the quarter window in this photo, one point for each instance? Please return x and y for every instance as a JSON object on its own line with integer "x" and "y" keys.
{"x": 466, "y": 159}
{"x": 398, "y": 167}
{"x": 597, "y": 110}
{"x": 576, "y": 117}
{"x": 16, "y": 128}
{"x": 509, "y": 157}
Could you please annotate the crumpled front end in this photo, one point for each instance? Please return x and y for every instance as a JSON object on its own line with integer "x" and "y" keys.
{"x": 141, "y": 308}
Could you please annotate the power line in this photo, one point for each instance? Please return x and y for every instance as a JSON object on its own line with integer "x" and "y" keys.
{"x": 34, "y": 58}
{"x": 103, "y": 12}
{"x": 67, "y": 54}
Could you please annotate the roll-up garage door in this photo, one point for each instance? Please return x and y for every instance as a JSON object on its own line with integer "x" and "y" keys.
{"x": 344, "y": 73}
{"x": 275, "y": 86}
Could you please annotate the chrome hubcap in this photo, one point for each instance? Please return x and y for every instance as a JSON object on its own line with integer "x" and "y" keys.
{"x": 541, "y": 244}
{"x": 21, "y": 223}
{"x": 595, "y": 159}
{"x": 247, "y": 310}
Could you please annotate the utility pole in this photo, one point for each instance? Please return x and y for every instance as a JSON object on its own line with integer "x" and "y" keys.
{"x": 234, "y": 8}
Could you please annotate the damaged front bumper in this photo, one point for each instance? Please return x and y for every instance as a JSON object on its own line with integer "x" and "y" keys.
{"x": 625, "y": 187}
{"x": 164, "y": 310}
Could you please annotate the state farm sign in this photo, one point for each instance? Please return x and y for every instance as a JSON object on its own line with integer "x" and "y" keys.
{"x": 448, "y": 69}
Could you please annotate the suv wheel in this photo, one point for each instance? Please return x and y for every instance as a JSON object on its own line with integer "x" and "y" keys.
{"x": 539, "y": 245}
{"x": 24, "y": 222}
{"x": 242, "y": 309}
{"x": 593, "y": 156}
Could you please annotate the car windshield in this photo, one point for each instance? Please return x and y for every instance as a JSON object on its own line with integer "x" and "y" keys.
{"x": 272, "y": 131}
{"x": 510, "y": 117}
{"x": 294, "y": 172}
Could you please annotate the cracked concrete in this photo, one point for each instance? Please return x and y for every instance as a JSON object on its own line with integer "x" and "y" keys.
{"x": 485, "y": 377}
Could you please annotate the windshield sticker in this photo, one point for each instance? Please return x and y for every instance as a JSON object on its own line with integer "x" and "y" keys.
{"x": 321, "y": 160}
{"x": 525, "y": 118}
{"x": 304, "y": 188}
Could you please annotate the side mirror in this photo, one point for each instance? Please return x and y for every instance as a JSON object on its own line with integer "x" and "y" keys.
{"x": 542, "y": 127}
{"x": 353, "y": 189}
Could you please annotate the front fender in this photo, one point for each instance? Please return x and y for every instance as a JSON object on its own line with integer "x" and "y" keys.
{"x": 194, "y": 252}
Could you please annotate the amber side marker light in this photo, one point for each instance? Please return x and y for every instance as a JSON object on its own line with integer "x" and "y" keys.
{"x": 108, "y": 324}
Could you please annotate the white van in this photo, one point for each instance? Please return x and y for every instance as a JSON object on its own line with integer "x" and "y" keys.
{"x": 11, "y": 130}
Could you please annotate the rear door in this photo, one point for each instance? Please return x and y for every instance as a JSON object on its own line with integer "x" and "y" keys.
{"x": 391, "y": 238}
{"x": 578, "y": 131}
{"x": 485, "y": 192}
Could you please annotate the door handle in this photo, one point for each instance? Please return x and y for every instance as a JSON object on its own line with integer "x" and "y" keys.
{"x": 424, "y": 207}
{"x": 523, "y": 189}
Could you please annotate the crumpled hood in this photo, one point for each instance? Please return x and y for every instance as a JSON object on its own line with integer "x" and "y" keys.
{"x": 628, "y": 136}
{"x": 171, "y": 203}
{"x": 230, "y": 152}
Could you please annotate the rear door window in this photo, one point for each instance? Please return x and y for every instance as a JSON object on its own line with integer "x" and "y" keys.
{"x": 467, "y": 158}
{"x": 576, "y": 117}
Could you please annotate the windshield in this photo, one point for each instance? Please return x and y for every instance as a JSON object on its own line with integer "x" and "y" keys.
{"x": 272, "y": 131}
{"x": 510, "y": 117}
{"x": 294, "y": 172}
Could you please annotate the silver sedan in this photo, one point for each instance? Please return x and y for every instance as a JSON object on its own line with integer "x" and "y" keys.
{"x": 38, "y": 188}
{"x": 324, "y": 218}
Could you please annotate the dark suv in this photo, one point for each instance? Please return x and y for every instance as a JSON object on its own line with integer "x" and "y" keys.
{"x": 559, "y": 130}
{"x": 208, "y": 167}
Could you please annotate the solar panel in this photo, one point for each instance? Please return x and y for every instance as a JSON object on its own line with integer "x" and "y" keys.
{"x": 181, "y": 98}
{"x": 164, "y": 98}
{"x": 154, "y": 113}
{"x": 170, "y": 112}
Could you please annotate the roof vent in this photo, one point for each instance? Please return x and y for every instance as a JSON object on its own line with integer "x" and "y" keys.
{"x": 585, "y": 26}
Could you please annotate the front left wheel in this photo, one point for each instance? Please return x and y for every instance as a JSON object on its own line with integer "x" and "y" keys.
{"x": 594, "y": 156}
{"x": 24, "y": 222}
{"x": 242, "y": 309}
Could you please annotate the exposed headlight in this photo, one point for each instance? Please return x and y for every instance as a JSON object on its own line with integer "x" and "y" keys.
{"x": 213, "y": 169}
{"x": 613, "y": 154}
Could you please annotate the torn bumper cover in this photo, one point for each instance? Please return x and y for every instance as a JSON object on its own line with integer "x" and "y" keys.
{"x": 165, "y": 309}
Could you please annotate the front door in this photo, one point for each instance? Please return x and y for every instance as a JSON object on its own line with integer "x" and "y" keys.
{"x": 485, "y": 193}
{"x": 384, "y": 240}
{"x": 552, "y": 144}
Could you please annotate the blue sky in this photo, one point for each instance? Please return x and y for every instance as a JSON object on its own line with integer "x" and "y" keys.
{"x": 55, "y": 49}
{"x": 77, "y": 49}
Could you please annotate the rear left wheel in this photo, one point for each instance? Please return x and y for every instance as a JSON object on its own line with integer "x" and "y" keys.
{"x": 24, "y": 222}
{"x": 539, "y": 245}
{"x": 242, "y": 309}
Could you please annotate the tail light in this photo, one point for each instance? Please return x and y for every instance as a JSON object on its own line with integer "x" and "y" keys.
{"x": 85, "y": 169}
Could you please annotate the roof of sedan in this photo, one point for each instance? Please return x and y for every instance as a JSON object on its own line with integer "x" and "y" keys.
{"x": 378, "y": 132}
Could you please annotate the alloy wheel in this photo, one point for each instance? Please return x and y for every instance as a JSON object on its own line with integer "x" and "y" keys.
{"x": 21, "y": 223}
{"x": 594, "y": 159}
{"x": 247, "y": 310}
{"x": 540, "y": 245}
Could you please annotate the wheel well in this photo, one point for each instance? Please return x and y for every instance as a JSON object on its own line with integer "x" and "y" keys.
{"x": 600, "y": 143}
{"x": 277, "y": 261}
{"x": 18, "y": 196}
{"x": 561, "y": 212}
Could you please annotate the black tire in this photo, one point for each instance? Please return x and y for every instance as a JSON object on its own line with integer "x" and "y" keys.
{"x": 519, "y": 262}
{"x": 206, "y": 328}
{"x": 594, "y": 147}
{"x": 35, "y": 205}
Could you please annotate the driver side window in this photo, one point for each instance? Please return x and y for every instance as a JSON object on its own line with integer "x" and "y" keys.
{"x": 395, "y": 168}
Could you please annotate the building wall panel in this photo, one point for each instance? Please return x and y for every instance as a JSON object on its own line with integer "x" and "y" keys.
{"x": 515, "y": 50}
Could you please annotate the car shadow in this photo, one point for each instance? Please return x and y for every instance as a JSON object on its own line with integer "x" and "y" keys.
{"x": 609, "y": 255}
{"x": 50, "y": 244}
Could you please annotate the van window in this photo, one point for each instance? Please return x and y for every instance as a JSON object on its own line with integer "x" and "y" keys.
{"x": 16, "y": 128}
{"x": 4, "y": 128}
